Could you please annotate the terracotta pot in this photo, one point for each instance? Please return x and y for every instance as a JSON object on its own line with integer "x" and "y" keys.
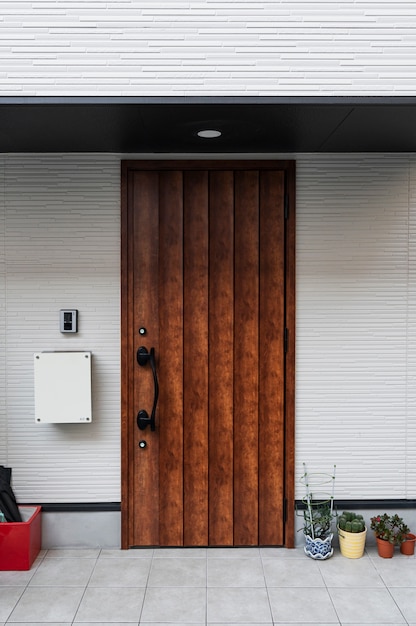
{"x": 408, "y": 545}
{"x": 385, "y": 548}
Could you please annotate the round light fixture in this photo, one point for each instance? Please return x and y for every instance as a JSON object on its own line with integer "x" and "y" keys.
{"x": 209, "y": 133}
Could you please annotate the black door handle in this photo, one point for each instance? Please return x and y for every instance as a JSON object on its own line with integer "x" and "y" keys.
{"x": 143, "y": 419}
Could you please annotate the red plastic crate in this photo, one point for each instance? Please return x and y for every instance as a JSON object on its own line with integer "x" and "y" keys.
{"x": 20, "y": 541}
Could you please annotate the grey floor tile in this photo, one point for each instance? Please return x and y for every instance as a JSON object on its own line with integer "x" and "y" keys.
{"x": 309, "y": 606}
{"x": 180, "y": 553}
{"x": 135, "y": 623}
{"x": 120, "y": 573}
{"x": 405, "y": 600}
{"x": 233, "y": 553}
{"x": 179, "y": 605}
{"x": 46, "y": 604}
{"x": 238, "y": 605}
{"x": 360, "y": 605}
{"x": 16, "y": 578}
{"x": 63, "y": 572}
{"x": 235, "y": 573}
{"x": 180, "y": 572}
{"x": 72, "y": 553}
{"x": 110, "y": 605}
{"x": 398, "y": 571}
{"x": 142, "y": 553}
{"x": 9, "y": 596}
{"x": 282, "y": 553}
{"x": 292, "y": 573}
{"x": 358, "y": 573}
{"x": 238, "y": 624}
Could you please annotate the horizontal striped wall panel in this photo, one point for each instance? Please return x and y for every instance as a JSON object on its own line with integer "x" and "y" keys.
{"x": 208, "y": 47}
{"x": 3, "y": 423}
{"x": 62, "y": 251}
{"x": 411, "y": 344}
{"x": 356, "y": 323}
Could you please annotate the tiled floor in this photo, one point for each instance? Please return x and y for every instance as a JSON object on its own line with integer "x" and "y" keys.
{"x": 199, "y": 586}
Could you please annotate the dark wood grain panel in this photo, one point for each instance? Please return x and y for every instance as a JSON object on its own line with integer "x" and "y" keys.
{"x": 271, "y": 362}
{"x": 127, "y": 348}
{"x": 170, "y": 414}
{"x": 213, "y": 281}
{"x": 221, "y": 358}
{"x": 246, "y": 294}
{"x": 195, "y": 363}
{"x": 290, "y": 356}
{"x": 146, "y": 308}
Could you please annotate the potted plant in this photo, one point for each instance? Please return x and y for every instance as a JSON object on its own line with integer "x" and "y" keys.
{"x": 408, "y": 544}
{"x": 390, "y": 531}
{"x": 352, "y": 534}
{"x": 318, "y": 516}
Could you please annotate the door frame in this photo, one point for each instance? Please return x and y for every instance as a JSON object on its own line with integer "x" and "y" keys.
{"x": 128, "y": 167}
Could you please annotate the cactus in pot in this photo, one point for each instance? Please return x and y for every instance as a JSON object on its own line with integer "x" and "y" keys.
{"x": 351, "y": 522}
{"x": 352, "y": 533}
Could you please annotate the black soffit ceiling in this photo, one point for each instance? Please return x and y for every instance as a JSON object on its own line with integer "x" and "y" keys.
{"x": 170, "y": 124}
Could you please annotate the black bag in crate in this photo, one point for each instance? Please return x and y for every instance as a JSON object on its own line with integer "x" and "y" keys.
{"x": 8, "y": 504}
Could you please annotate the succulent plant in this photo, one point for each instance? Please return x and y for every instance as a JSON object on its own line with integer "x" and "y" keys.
{"x": 351, "y": 522}
{"x": 390, "y": 528}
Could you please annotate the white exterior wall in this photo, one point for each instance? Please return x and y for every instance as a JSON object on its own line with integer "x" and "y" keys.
{"x": 207, "y": 47}
{"x": 356, "y": 322}
{"x": 3, "y": 422}
{"x": 62, "y": 250}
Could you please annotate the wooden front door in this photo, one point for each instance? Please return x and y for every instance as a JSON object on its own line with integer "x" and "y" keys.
{"x": 208, "y": 309}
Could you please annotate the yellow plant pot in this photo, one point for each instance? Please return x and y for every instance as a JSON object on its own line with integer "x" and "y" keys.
{"x": 352, "y": 544}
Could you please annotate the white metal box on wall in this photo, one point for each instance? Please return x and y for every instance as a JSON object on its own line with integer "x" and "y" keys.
{"x": 63, "y": 387}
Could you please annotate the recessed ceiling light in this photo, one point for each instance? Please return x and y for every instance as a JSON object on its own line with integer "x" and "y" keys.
{"x": 209, "y": 133}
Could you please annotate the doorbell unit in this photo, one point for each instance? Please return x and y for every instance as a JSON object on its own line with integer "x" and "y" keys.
{"x": 68, "y": 320}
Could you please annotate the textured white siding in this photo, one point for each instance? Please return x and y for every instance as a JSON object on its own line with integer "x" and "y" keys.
{"x": 62, "y": 251}
{"x": 356, "y": 320}
{"x": 3, "y": 429}
{"x": 207, "y": 47}
{"x": 411, "y": 343}
{"x": 354, "y": 323}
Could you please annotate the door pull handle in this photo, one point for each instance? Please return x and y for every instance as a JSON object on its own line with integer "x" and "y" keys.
{"x": 143, "y": 418}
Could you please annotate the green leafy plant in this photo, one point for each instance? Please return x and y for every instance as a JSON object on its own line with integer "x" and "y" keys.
{"x": 319, "y": 512}
{"x": 390, "y": 528}
{"x": 318, "y": 517}
{"x": 351, "y": 522}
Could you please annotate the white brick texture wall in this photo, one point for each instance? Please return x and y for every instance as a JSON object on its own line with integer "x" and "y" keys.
{"x": 207, "y": 47}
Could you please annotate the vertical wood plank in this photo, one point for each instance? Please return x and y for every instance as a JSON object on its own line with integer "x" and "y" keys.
{"x": 196, "y": 358}
{"x": 127, "y": 349}
{"x": 170, "y": 426}
{"x": 221, "y": 363}
{"x": 271, "y": 362}
{"x": 290, "y": 356}
{"x": 246, "y": 358}
{"x": 257, "y": 441}
{"x": 146, "y": 308}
